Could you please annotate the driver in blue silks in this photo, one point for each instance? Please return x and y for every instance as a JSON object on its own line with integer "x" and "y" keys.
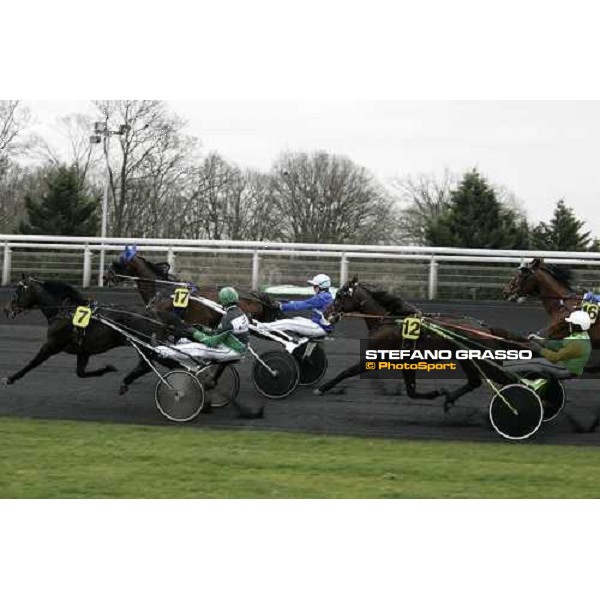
{"x": 317, "y": 325}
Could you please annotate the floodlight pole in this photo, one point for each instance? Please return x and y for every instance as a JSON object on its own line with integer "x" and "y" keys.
{"x": 102, "y": 134}
{"x": 104, "y": 231}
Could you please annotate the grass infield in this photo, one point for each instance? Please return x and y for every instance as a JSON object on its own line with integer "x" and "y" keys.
{"x": 63, "y": 459}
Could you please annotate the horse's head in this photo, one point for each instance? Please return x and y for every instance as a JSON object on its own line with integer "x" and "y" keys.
{"x": 349, "y": 298}
{"x": 525, "y": 283}
{"x": 260, "y": 306}
{"x": 25, "y": 297}
{"x": 130, "y": 264}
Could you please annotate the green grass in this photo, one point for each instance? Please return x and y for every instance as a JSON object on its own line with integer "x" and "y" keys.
{"x": 57, "y": 459}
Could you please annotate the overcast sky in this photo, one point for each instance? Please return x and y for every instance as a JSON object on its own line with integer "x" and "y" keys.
{"x": 540, "y": 150}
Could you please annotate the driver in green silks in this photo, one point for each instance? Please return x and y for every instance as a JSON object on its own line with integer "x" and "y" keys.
{"x": 560, "y": 359}
{"x": 228, "y": 343}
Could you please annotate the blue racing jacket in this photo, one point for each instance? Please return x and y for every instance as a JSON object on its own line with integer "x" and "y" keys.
{"x": 591, "y": 297}
{"x": 318, "y": 303}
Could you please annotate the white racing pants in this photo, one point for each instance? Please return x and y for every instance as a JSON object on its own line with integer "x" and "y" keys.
{"x": 186, "y": 351}
{"x": 299, "y": 325}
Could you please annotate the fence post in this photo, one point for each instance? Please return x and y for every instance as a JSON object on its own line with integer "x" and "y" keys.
{"x": 433, "y": 279}
{"x": 343, "y": 269}
{"x": 255, "y": 270}
{"x": 6, "y": 265}
{"x": 87, "y": 266}
{"x": 171, "y": 259}
{"x": 101, "y": 266}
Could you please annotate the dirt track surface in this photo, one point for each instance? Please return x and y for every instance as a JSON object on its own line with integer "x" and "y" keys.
{"x": 54, "y": 391}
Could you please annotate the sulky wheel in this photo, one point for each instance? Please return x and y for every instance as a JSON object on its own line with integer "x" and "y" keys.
{"x": 312, "y": 361}
{"x": 221, "y": 384}
{"x": 516, "y": 412}
{"x": 181, "y": 398}
{"x": 553, "y": 396}
{"x": 275, "y": 374}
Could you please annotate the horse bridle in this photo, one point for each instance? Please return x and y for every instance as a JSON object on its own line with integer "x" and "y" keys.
{"x": 561, "y": 299}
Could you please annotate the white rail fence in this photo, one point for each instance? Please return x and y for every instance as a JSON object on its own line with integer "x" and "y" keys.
{"x": 417, "y": 271}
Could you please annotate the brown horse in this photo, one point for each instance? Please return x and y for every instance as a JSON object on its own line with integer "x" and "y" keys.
{"x": 380, "y": 311}
{"x": 156, "y": 285}
{"x": 552, "y": 285}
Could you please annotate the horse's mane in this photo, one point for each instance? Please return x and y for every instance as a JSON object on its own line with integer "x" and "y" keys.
{"x": 159, "y": 269}
{"x": 63, "y": 290}
{"x": 561, "y": 274}
{"x": 262, "y": 297}
{"x": 393, "y": 304}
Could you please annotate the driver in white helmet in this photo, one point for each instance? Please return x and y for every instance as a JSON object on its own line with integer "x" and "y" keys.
{"x": 317, "y": 325}
{"x": 559, "y": 359}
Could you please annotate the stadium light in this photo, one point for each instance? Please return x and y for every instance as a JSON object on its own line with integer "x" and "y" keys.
{"x": 102, "y": 135}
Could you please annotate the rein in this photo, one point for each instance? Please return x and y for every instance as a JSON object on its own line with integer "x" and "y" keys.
{"x": 451, "y": 326}
{"x": 148, "y": 280}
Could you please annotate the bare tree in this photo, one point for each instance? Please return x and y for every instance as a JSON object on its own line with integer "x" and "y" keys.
{"x": 85, "y": 158}
{"x": 325, "y": 198}
{"x": 420, "y": 200}
{"x": 14, "y": 118}
{"x": 14, "y": 179}
{"x": 153, "y": 155}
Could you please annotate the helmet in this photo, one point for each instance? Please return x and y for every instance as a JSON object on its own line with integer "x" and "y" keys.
{"x": 128, "y": 254}
{"x": 581, "y": 318}
{"x": 228, "y": 296}
{"x": 323, "y": 281}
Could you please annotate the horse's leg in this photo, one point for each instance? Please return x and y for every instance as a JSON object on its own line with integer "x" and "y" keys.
{"x": 138, "y": 371}
{"x": 46, "y": 351}
{"x": 352, "y": 371}
{"x": 410, "y": 380}
{"x": 473, "y": 382}
{"x": 82, "y": 361}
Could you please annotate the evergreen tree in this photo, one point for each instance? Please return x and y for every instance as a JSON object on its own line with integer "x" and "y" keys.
{"x": 64, "y": 209}
{"x": 562, "y": 232}
{"x": 475, "y": 218}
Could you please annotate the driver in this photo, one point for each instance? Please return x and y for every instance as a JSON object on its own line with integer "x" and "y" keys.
{"x": 317, "y": 325}
{"x": 228, "y": 343}
{"x": 560, "y": 359}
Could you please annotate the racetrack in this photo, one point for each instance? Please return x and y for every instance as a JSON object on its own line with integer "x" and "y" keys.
{"x": 54, "y": 391}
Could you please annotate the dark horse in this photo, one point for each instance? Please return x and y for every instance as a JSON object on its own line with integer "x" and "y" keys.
{"x": 381, "y": 309}
{"x": 57, "y": 301}
{"x": 156, "y": 284}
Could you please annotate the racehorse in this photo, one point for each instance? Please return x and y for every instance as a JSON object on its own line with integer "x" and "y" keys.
{"x": 380, "y": 310}
{"x": 57, "y": 301}
{"x": 552, "y": 285}
{"x": 156, "y": 284}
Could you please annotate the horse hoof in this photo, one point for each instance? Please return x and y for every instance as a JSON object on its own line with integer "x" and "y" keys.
{"x": 7, "y": 381}
{"x": 123, "y": 389}
{"x": 448, "y": 404}
{"x": 111, "y": 369}
{"x": 317, "y": 392}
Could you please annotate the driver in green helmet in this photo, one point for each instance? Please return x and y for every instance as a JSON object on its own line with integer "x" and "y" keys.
{"x": 228, "y": 342}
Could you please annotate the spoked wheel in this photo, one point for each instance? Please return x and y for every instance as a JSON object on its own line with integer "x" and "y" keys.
{"x": 516, "y": 412}
{"x": 312, "y": 361}
{"x": 182, "y": 399}
{"x": 553, "y": 396}
{"x": 275, "y": 374}
{"x": 226, "y": 388}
